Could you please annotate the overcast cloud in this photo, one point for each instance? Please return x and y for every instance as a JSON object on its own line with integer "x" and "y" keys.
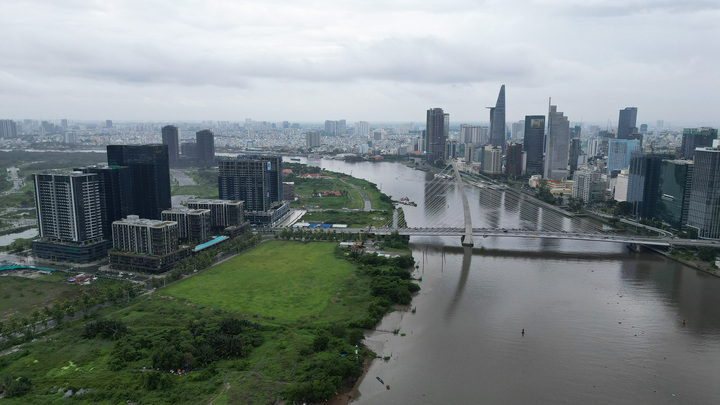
{"x": 313, "y": 60}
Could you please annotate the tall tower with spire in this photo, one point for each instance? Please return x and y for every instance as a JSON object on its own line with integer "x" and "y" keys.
{"x": 497, "y": 121}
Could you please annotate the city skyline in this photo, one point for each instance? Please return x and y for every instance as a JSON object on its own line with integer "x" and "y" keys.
{"x": 297, "y": 62}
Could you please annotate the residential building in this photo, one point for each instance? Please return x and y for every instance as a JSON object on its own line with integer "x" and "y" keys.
{"x": 145, "y": 244}
{"x": 69, "y": 217}
{"x": 223, "y": 213}
{"x": 312, "y": 139}
{"x": 8, "y": 129}
{"x": 116, "y": 196}
{"x": 193, "y": 224}
{"x": 588, "y": 186}
{"x": 492, "y": 159}
{"x": 362, "y": 128}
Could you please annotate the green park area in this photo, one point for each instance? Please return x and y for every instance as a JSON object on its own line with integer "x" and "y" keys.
{"x": 278, "y": 321}
{"x": 283, "y": 280}
{"x": 206, "y": 184}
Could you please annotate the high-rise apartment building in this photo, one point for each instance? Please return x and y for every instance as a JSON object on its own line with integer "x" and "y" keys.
{"x": 145, "y": 244}
{"x": 587, "y": 185}
{"x": 557, "y": 145}
{"x": 312, "y": 139}
{"x": 108, "y": 124}
{"x": 497, "y": 121}
{"x": 533, "y": 144}
{"x": 8, "y": 129}
{"x": 362, "y": 128}
{"x": 627, "y": 123}
{"x": 492, "y": 159}
{"x": 473, "y": 134}
{"x": 150, "y": 170}
{"x": 437, "y": 128}
{"x": 704, "y": 210}
{"x": 171, "y": 138}
{"x": 69, "y": 217}
{"x": 696, "y": 138}
{"x": 115, "y": 184}
{"x": 205, "y": 140}
{"x": 256, "y": 180}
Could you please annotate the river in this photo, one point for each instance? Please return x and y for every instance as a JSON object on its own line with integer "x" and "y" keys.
{"x": 602, "y": 325}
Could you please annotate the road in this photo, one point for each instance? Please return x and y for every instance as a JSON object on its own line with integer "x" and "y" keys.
{"x": 182, "y": 178}
{"x": 366, "y": 199}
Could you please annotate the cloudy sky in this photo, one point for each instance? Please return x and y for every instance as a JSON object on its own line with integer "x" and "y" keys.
{"x": 374, "y": 60}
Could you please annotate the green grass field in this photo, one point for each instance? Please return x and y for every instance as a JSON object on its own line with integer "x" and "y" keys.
{"x": 278, "y": 279}
{"x": 19, "y": 296}
{"x": 304, "y": 188}
{"x": 355, "y": 219}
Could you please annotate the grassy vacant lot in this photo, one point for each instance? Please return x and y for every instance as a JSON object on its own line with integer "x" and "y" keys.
{"x": 375, "y": 195}
{"x": 19, "y": 296}
{"x": 283, "y": 280}
{"x": 355, "y": 219}
{"x": 206, "y": 187}
{"x": 304, "y": 188}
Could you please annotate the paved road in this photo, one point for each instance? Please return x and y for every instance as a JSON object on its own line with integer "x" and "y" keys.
{"x": 368, "y": 204}
{"x": 182, "y": 178}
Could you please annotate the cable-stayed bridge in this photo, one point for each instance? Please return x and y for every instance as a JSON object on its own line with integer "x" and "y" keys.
{"x": 451, "y": 204}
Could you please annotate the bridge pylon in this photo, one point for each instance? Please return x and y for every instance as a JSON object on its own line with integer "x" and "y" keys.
{"x": 467, "y": 239}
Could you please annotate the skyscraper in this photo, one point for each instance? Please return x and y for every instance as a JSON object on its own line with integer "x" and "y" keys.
{"x": 362, "y": 128}
{"x": 674, "y": 196}
{"x": 251, "y": 179}
{"x": 704, "y": 210}
{"x": 437, "y": 128}
{"x": 696, "y": 138}
{"x": 170, "y": 137}
{"x": 312, "y": 139}
{"x": 205, "y": 147}
{"x": 627, "y": 123}
{"x": 644, "y": 183}
{"x": 150, "y": 175}
{"x": 533, "y": 143}
{"x": 514, "y": 159}
{"x": 69, "y": 217}
{"x": 497, "y": 121}
{"x": 557, "y": 145}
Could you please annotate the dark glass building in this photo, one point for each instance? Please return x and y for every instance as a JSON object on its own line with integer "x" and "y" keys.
{"x": 437, "y": 128}
{"x": 704, "y": 211}
{"x": 205, "y": 147}
{"x": 574, "y": 154}
{"x": 116, "y": 187}
{"x": 644, "y": 183}
{"x": 256, "y": 180}
{"x": 674, "y": 196}
{"x": 514, "y": 159}
{"x": 696, "y": 138}
{"x": 533, "y": 143}
{"x": 150, "y": 172}
{"x": 627, "y": 123}
{"x": 170, "y": 137}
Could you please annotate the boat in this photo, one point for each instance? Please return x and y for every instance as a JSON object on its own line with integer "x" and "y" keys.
{"x": 294, "y": 159}
{"x": 381, "y": 380}
{"x": 413, "y": 310}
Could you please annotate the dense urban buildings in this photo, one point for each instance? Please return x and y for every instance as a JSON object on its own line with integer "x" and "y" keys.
{"x": 557, "y": 146}
{"x": 497, "y": 121}
{"x": 69, "y": 217}
{"x": 533, "y": 144}
{"x": 150, "y": 170}
{"x": 437, "y": 128}
{"x": 170, "y": 137}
